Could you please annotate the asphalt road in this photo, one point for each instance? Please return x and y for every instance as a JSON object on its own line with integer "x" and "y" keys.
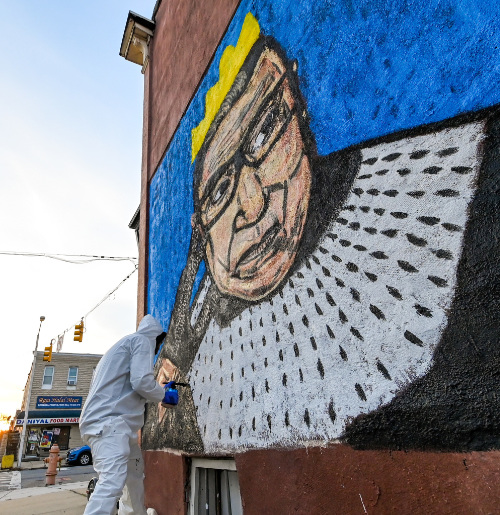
{"x": 36, "y": 477}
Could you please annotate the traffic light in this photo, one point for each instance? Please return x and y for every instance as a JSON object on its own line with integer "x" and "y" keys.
{"x": 47, "y": 353}
{"x": 78, "y": 332}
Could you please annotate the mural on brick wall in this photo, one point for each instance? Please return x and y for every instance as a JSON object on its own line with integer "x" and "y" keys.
{"x": 329, "y": 284}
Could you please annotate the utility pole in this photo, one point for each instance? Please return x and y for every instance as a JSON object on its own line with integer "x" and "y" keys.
{"x": 28, "y": 398}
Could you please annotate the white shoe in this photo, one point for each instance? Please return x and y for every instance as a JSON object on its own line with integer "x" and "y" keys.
{"x": 151, "y": 511}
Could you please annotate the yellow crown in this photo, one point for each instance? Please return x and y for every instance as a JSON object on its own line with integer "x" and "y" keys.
{"x": 230, "y": 64}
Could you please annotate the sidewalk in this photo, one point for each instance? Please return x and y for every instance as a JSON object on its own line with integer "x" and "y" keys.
{"x": 69, "y": 499}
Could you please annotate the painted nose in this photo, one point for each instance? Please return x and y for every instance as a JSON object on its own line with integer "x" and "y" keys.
{"x": 250, "y": 199}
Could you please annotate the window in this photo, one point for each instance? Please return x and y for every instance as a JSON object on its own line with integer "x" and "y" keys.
{"x": 72, "y": 376}
{"x": 214, "y": 488}
{"x": 48, "y": 377}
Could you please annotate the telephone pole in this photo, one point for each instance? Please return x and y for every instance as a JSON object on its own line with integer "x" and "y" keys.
{"x": 20, "y": 452}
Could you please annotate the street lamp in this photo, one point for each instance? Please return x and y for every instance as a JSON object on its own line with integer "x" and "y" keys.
{"x": 28, "y": 398}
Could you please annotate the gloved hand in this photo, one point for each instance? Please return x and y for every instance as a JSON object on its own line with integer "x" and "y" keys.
{"x": 171, "y": 394}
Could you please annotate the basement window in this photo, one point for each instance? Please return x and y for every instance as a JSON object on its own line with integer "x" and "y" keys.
{"x": 215, "y": 489}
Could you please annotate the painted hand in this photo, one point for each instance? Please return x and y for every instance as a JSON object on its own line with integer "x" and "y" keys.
{"x": 168, "y": 372}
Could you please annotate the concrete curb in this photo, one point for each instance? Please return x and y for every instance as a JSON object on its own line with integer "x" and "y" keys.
{"x": 79, "y": 487}
{"x": 29, "y": 465}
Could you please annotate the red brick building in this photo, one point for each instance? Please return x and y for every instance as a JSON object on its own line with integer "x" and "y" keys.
{"x": 411, "y": 423}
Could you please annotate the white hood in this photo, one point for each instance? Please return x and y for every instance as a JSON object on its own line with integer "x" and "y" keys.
{"x": 150, "y": 327}
{"x": 124, "y": 382}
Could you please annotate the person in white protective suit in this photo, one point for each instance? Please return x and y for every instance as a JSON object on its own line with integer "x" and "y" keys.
{"x": 113, "y": 414}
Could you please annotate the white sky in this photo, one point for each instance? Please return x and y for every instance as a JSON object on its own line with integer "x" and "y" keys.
{"x": 70, "y": 159}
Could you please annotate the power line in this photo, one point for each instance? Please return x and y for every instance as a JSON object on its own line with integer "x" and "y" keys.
{"x": 84, "y": 258}
{"x": 102, "y": 300}
{"x": 110, "y": 293}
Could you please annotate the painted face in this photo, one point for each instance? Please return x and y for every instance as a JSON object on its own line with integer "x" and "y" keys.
{"x": 255, "y": 186}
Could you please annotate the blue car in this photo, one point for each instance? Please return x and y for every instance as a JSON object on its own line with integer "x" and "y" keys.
{"x": 79, "y": 456}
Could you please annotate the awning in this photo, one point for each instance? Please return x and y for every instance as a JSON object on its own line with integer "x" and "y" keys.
{"x": 49, "y": 417}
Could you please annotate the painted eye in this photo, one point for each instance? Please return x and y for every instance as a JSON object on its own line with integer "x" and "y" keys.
{"x": 267, "y": 129}
{"x": 219, "y": 195}
{"x": 220, "y": 190}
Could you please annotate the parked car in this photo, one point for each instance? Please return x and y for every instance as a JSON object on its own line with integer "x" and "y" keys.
{"x": 79, "y": 456}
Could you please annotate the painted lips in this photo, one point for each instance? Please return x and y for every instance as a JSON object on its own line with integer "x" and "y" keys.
{"x": 258, "y": 253}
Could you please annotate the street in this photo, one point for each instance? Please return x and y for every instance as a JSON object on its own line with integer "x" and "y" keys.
{"x": 36, "y": 477}
{"x": 10, "y": 480}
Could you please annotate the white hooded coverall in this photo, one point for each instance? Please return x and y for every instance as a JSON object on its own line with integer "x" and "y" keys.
{"x": 112, "y": 415}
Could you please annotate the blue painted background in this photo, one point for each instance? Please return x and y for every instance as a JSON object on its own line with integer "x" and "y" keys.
{"x": 366, "y": 68}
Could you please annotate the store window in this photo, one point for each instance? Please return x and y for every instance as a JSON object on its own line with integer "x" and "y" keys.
{"x": 40, "y": 440}
{"x": 72, "y": 376}
{"x": 214, "y": 488}
{"x": 33, "y": 441}
{"x": 48, "y": 378}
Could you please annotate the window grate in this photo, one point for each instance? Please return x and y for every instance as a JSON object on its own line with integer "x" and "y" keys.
{"x": 215, "y": 488}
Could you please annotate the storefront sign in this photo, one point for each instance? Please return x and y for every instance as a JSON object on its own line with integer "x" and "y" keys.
{"x": 51, "y": 402}
{"x": 48, "y": 421}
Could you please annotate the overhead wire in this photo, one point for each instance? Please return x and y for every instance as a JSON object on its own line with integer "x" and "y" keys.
{"x": 84, "y": 317}
{"x": 111, "y": 292}
{"x": 84, "y": 258}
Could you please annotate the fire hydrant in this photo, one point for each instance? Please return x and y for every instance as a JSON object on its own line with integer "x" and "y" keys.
{"x": 53, "y": 460}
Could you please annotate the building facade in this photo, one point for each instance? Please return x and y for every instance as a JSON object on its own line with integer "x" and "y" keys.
{"x": 58, "y": 392}
{"x": 318, "y": 234}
